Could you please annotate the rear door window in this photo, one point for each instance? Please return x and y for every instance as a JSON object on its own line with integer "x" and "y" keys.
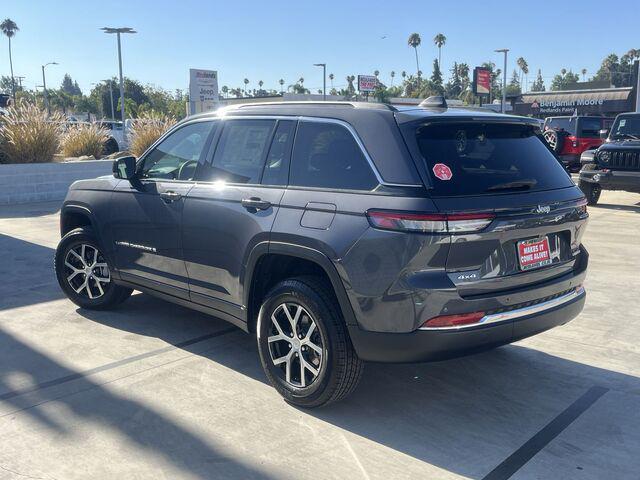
{"x": 484, "y": 159}
{"x": 326, "y": 155}
{"x": 276, "y": 169}
{"x": 565, "y": 124}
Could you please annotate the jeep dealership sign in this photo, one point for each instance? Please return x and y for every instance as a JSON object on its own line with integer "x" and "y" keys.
{"x": 203, "y": 90}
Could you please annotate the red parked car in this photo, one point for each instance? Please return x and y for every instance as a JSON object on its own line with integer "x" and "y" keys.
{"x": 568, "y": 137}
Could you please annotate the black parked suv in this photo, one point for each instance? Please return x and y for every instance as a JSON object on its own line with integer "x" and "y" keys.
{"x": 616, "y": 164}
{"x": 338, "y": 233}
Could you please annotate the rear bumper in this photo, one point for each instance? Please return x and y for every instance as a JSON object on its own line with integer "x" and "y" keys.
{"x": 613, "y": 179}
{"x": 440, "y": 344}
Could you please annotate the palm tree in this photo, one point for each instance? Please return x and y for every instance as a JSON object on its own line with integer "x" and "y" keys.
{"x": 584, "y": 74}
{"x": 9, "y": 28}
{"x": 260, "y": 83}
{"x": 414, "y": 41}
{"x": 225, "y": 90}
{"x": 301, "y": 81}
{"x": 403, "y": 74}
{"x": 524, "y": 71}
{"x": 393, "y": 74}
{"x": 246, "y": 82}
{"x": 281, "y": 82}
{"x": 331, "y": 77}
{"x": 440, "y": 40}
{"x": 376, "y": 73}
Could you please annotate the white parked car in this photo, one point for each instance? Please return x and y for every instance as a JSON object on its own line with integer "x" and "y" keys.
{"x": 117, "y": 136}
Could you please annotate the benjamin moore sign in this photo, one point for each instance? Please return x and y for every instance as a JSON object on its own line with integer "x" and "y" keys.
{"x": 604, "y": 101}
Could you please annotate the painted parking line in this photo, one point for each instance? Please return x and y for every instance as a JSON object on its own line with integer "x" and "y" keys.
{"x": 555, "y": 427}
{"x": 118, "y": 363}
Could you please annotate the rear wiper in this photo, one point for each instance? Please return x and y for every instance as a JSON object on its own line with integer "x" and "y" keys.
{"x": 517, "y": 185}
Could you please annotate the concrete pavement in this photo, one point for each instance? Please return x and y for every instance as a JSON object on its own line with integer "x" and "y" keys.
{"x": 153, "y": 390}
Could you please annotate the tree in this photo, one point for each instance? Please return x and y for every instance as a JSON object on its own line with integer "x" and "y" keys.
{"x": 376, "y": 73}
{"x": 436, "y": 78}
{"x": 538, "y": 85}
{"x": 513, "y": 87}
{"x": 246, "y": 82}
{"x": 566, "y": 80}
{"x": 584, "y": 74}
{"x": 414, "y": 41}
{"x": 68, "y": 85}
{"x": 453, "y": 88}
{"x": 403, "y": 74}
{"x": 225, "y": 91}
{"x": 524, "y": 71}
{"x": 439, "y": 40}
{"x": 9, "y": 29}
{"x": 331, "y": 77}
{"x": 496, "y": 88}
{"x": 393, "y": 74}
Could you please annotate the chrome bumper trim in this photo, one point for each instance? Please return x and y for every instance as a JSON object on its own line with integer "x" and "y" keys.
{"x": 518, "y": 313}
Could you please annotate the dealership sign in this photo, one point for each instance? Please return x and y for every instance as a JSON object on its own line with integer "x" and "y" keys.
{"x": 481, "y": 81}
{"x": 203, "y": 90}
{"x": 367, "y": 83}
{"x": 599, "y": 102}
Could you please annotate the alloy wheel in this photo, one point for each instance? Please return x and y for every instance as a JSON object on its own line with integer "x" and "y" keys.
{"x": 295, "y": 344}
{"x": 86, "y": 271}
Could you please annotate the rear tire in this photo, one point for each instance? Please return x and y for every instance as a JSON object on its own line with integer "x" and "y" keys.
{"x": 308, "y": 370}
{"x": 83, "y": 273}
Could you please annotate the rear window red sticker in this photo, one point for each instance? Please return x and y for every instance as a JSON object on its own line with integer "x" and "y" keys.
{"x": 441, "y": 171}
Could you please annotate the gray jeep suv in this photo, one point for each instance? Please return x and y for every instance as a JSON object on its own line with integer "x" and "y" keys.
{"x": 338, "y": 233}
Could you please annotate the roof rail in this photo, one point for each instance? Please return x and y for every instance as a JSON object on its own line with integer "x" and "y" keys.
{"x": 376, "y": 106}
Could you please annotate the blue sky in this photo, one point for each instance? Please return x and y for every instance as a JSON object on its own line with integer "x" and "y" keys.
{"x": 270, "y": 40}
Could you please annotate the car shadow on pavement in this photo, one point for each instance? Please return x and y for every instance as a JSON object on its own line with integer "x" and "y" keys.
{"x": 27, "y": 272}
{"x": 28, "y": 210}
{"x": 464, "y": 415}
{"x": 102, "y": 408}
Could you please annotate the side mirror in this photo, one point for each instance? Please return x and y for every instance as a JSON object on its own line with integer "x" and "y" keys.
{"x": 124, "y": 167}
{"x": 604, "y": 133}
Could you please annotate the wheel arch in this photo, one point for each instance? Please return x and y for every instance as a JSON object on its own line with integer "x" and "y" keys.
{"x": 302, "y": 260}
{"x": 74, "y": 216}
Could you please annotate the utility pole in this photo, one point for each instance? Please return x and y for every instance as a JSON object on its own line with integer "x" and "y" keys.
{"x": 44, "y": 87}
{"x": 504, "y": 79}
{"x": 324, "y": 79}
{"x": 118, "y": 31}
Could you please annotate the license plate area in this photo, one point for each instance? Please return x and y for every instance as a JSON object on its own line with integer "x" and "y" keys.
{"x": 534, "y": 253}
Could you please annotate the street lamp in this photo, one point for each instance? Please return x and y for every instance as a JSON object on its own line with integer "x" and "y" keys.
{"x": 504, "y": 79}
{"x": 324, "y": 79}
{"x": 44, "y": 88}
{"x": 118, "y": 31}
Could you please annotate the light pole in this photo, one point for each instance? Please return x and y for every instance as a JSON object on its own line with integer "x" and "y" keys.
{"x": 504, "y": 79}
{"x": 118, "y": 31}
{"x": 113, "y": 112}
{"x": 44, "y": 88}
{"x": 324, "y": 79}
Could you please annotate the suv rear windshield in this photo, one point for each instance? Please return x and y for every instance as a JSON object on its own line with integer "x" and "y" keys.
{"x": 566, "y": 124}
{"x": 481, "y": 159}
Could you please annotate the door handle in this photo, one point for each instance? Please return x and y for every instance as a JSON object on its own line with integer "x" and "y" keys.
{"x": 170, "y": 196}
{"x": 255, "y": 203}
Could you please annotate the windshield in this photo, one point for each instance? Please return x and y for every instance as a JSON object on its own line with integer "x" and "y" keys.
{"x": 626, "y": 126}
{"x": 477, "y": 159}
{"x": 565, "y": 124}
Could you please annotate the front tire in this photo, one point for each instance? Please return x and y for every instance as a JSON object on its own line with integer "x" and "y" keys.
{"x": 304, "y": 346}
{"x": 83, "y": 273}
{"x": 591, "y": 190}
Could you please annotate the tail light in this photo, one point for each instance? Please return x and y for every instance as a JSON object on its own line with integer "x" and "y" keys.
{"x": 429, "y": 222}
{"x": 447, "y": 321}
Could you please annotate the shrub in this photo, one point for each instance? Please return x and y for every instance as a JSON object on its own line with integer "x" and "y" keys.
{"x": 146, "y": 129}
{"x": 28, "y": 135}
{"x": 84, "y": 139}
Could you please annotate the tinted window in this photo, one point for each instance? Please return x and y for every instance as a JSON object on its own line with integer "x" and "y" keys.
{"x": 276, "y": 169}
{"x": 488, "y": 158}
{"x": 241, "y": 152}
{"x": 567, "y": 124}
{"x": 176, "y": 157}
{"x": 326, "y": 155}
{"x": 590, "y": 127}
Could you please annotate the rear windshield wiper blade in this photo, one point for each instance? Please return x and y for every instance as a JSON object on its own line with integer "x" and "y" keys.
{"x": 517, "y": 185}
